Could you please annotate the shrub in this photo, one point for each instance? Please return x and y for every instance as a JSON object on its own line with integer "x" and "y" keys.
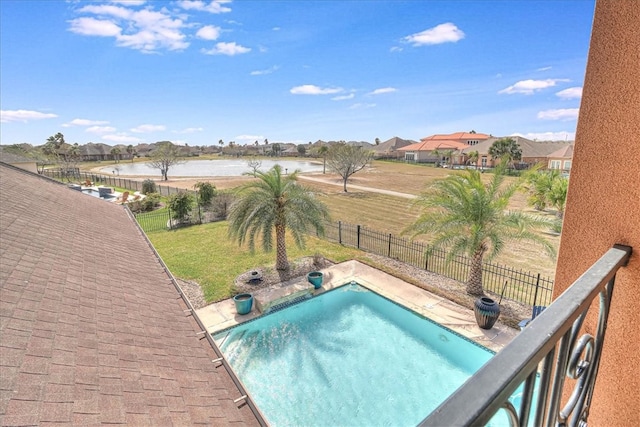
{"x": 148, "y": 186}
{"x": 206, "y": 193}
{"x": 181, "y": 205}
{"x": 221, "y": 203}
{"x": 147, "y": 204}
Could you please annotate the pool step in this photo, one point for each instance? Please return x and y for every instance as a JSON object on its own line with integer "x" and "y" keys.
{"x": 268, "y": 299}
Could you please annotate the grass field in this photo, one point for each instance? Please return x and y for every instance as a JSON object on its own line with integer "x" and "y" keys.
{"x": 205, "y": 254}
{"x": 392, "y": 214}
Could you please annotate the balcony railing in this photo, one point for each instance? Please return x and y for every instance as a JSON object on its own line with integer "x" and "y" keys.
{"x": 549, "y": 349}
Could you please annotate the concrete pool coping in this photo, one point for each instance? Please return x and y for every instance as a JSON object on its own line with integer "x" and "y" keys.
{"x": 222, "y": 315}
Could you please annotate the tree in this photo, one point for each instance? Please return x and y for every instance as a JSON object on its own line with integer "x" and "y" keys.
{"x": 254, "y": 164}
{"x": 276, "y": 149}
{"x": 302, "y": 150}
{"x": 221, "y": 142}
{"x": 377, "y": 141}
{"x": 437, "y": 153}
{"x": 131, "y": 151}
{"x": 538, "y": 184}
{"x": 115, "y": 152}
{"x": 275, "y": 203}
{"x": 68, "y": 160}
{"x": 346, "y": 160}
{"x": 323, "y": 150}
{"x": 558, "y": 195}
{"x": 165, "y": 156}
{"x": 473, "y": 157}
{"x": 206, "y": 192}
{"x": 505, "y": 149}
{"x": 467, "y": 217}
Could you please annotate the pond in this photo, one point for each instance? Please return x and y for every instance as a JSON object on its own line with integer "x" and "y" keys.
{"x": 235, "y": 167}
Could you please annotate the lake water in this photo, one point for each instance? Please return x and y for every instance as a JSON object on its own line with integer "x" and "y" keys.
{"x": 235, "y": 167}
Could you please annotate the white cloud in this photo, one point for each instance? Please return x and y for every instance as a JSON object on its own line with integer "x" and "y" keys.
{"x": 548, "y": 136}
{"x": 343, "y": 97}
{"x": 212, "y": 7}
{"x": 8, "y": 116}
{"x": 145, "y": 30}
{"x": 528, "y": 87}
{"x": 359, "y": 106}
{"x": 208, "y": 32}
{"x": 94, "y": 27}
{"x": 100, "y": 129}
{"x": 190, "y": 130}
{"x": 130, "y": 2}
{"x": 263, "y": 72}
{"x": 570, "y": 93}
{"x": 382, "y": 90}
{"x": 229, "y": 49}
{"x": 559, "y": 114}
{"x": 395, "y": 49}
{"x": 314, "y": 90}
{"x": 84, "y": 122}
{"x": 148, "y": 128}
{"x": 544, "y": 69}
{"x": 122, "y": 137}
{"x": 443, "y": 33}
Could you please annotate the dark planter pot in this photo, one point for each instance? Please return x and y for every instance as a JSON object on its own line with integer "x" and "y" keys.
{"x": 487, "y": 312}
{"x": 243, "y": 302}
{"x": 315, "y": 278}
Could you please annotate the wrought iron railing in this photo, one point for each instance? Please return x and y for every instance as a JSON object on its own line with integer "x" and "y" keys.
{"x": 552, "y": 347}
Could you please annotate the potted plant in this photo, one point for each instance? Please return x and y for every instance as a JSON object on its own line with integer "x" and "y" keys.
{"x": 243, "y": 302}
{"x": 487, "y": 312}
{"x": 315, "y": 278}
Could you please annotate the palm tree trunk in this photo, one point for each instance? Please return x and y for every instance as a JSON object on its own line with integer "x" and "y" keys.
{"x": 282, "y": 263}
{"x": 474, "y": 283}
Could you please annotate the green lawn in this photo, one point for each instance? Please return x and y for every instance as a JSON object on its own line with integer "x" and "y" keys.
{"x": 204, "y": 253}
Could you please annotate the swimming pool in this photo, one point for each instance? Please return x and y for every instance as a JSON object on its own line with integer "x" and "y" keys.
{"x": 348, "y": 357}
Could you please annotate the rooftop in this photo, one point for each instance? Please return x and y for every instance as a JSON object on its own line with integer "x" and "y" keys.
{"x": 93, "y": 329}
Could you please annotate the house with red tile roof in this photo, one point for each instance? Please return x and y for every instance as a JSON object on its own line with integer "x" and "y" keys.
{"x": 442, "y": 147}
{"x": 94, "y": 329}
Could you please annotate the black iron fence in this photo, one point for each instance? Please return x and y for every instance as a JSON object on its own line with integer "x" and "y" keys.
{"x": 526, "y": 287}
{"x": 109, "y": 180}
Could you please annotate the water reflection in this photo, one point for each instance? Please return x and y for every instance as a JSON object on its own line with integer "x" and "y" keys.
{"x": 235, "y": 167}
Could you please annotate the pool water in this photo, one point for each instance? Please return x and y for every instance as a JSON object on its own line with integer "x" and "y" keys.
{"x": 349, "y": 358}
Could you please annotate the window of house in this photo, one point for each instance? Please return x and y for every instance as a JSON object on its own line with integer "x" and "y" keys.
{"x": 555, "y": 164}
{"x": 567, "y": 165}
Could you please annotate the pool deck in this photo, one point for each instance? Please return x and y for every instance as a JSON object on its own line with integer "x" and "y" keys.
{"x": 223, "y": 314}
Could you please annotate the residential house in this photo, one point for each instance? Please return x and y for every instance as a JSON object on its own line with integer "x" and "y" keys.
{"x": 390, "y": 148}
{"x": 446, "y": 148}
{"x": 533, "y": 152}
{"x": 561, "y": 159}
{"x": 18, "y": 161}
{"x": 94, "y": 330}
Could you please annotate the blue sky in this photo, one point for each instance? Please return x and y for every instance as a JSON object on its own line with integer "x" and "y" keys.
{"x": 195, "y": 72}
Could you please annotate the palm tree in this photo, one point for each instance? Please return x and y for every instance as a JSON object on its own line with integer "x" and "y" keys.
{"x": 506, "y": 149}
{"x": 473, "y": 157}
{"x": 131, "y": 151}
{"x": 275, "y": 202}
{"x": 467, "y": 217}
{"x": 323, "y": 150}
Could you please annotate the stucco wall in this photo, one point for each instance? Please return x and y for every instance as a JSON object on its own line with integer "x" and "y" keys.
{"x": 603, "y": 206}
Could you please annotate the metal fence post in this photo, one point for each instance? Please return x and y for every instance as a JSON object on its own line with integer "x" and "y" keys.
{"x": 340, "y": 232}
{"x": 358, "y": 235}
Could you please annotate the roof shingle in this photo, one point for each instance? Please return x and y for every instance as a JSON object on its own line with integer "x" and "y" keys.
{"x": 92, "y": 329}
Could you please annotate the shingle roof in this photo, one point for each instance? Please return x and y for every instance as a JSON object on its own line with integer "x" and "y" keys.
{"x": 457, "y": 136}
{"x": 392, "y": 144}
{"x": 92, "y": 329}
{"x": 529, "y": 148}
{"x": 563, "y": 153}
